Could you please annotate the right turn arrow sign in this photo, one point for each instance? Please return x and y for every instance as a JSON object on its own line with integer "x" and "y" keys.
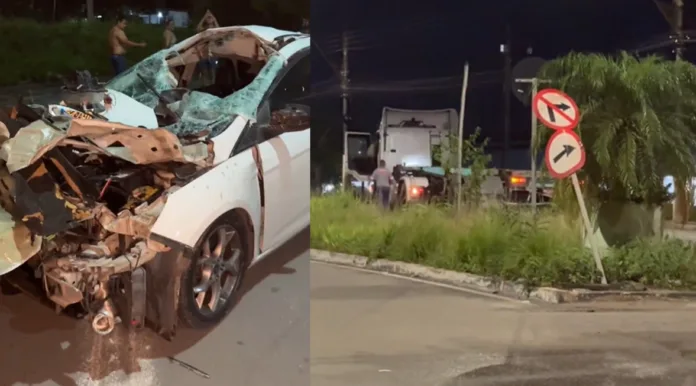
{"x": 564, "y": 154}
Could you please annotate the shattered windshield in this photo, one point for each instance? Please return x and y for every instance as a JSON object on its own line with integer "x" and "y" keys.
{"x": 154, "y": 69}
{"x": 196, "y": 111}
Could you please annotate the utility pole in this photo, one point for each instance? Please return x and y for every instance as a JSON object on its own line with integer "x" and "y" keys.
{"x": 507, "y": 90}
{"x": 90, "y": 9}
{"x": 345, "y": 116}
{"x": 679, "y": 28}
{"x": 532, "y": 142}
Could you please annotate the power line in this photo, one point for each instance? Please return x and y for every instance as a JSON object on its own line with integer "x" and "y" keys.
{"x": 336, "y": 72}
{"x": 364, "y": 38}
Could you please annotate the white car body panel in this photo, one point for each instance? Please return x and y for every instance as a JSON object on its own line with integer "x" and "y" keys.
{"x": 190, "y": 210}
{"x": 128, "y": 111}
{"x": 224, "y": 143}
{"x": 286, "y": 174}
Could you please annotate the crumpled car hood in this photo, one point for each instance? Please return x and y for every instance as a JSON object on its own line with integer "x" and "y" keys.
{"x": 44, "y": 190}
{"x": 136, "y": 145}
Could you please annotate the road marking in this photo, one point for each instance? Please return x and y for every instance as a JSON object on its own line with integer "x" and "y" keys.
{"x": 428, "y": 282}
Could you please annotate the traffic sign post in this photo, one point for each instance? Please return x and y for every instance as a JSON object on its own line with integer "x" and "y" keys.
{"x": 555, "y": 109}
{"x": 565, "y": 154}
{"x": 588, "y": 226}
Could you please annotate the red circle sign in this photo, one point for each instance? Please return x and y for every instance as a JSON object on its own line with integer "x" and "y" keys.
{"x": 555, "y": 109}
{"x": 564, "y": 154}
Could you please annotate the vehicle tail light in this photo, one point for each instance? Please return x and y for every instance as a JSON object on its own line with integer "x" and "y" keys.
{"x": 416, "y": 191}
{"x": 518, "y": 180}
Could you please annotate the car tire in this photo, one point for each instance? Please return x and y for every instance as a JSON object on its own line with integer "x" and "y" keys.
{"x": 211, "y": 265}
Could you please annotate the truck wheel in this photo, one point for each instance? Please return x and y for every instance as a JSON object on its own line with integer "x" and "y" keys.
{"x": 209, "y": 287}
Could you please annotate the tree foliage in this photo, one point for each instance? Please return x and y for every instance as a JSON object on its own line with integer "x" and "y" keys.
{"x": 473, "y": 156}
{"x": 638, "y": 122}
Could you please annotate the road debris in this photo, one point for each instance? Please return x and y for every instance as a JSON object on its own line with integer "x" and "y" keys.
{"x": 190, "y": 368}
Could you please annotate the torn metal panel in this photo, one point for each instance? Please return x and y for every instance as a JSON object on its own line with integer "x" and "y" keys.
{"x": 29, "y": 144}
{"x": 136, "y": 223}
{"x": 137, "y": 145}
{"x": 136, "y": 256}
{"x": 40, "y": 202}
{"x": 67, "y": 278}
{"x": 17, "y": 244}
{"x": 71, "y": 176}
{"x": 61, "y": 289}
{"x": 144, "y": 146}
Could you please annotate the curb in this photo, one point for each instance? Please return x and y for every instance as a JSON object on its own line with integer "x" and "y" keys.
{"x": 491, "y": 285}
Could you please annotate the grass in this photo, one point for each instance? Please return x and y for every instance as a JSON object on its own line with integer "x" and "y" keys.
{"x": 34, "y": 52}
{"x": 506, "y": 243}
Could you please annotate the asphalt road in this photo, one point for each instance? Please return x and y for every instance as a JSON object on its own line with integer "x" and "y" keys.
{"x": 264, "y": 341}
{"x": 373, "y": 330}
{"x": 34, "y": 93}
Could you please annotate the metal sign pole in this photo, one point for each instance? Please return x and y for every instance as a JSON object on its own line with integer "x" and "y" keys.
{"x": 588, "y": 227}
{"x": 532, "y": 147}
{"x": 535, "y": 88}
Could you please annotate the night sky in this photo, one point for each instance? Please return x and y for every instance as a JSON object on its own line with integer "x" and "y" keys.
{"x": 410, "y": 54}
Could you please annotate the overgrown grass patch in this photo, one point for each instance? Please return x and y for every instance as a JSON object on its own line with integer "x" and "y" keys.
{"x": 508, "y": 243}
{"x": 34, "y": 52}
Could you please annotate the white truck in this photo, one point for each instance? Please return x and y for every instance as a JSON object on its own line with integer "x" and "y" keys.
{"x": 406, "y": 141}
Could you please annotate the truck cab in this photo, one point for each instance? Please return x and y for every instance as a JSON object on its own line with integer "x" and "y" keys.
{"x": 407, "y": 141}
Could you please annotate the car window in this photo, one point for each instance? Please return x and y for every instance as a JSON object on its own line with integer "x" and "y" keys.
{"x": 285, "y": 109}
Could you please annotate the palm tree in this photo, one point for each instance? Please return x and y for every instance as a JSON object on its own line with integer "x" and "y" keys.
{"x": 632, "y": 130}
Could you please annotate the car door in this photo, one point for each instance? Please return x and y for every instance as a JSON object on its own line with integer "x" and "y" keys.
{"x": 280, "y": 141}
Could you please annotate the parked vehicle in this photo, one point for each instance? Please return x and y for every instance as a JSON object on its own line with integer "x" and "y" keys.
{"x": 406, "y": 141}
{"x": 149, "y": 198}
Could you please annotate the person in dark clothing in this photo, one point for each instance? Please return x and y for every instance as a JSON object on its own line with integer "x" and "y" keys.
{"x": 383, "y": 181}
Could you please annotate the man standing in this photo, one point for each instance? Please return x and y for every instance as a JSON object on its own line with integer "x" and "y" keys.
{"x": 118, "y": 43}
{"x": 169, "y": 36}
{"x": 383, "y": 180}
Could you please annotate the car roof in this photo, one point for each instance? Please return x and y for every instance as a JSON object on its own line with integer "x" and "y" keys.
{"x": 269, "y": 33}
{"x": 263, "y": 32}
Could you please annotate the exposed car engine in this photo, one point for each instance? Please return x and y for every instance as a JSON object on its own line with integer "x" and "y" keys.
{"x": 85, "y": 203}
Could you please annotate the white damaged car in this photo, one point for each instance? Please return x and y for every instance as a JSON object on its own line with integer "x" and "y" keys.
{"x": 147, "y": 200}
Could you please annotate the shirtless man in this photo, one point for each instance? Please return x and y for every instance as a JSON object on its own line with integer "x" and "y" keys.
{"x": 169, "y": 36}
{"x": 118, "y": 43}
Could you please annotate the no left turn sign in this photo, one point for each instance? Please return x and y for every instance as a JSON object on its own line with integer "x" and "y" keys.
{"x": 565, "y": 154}
{"x": 555, "y": 109}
